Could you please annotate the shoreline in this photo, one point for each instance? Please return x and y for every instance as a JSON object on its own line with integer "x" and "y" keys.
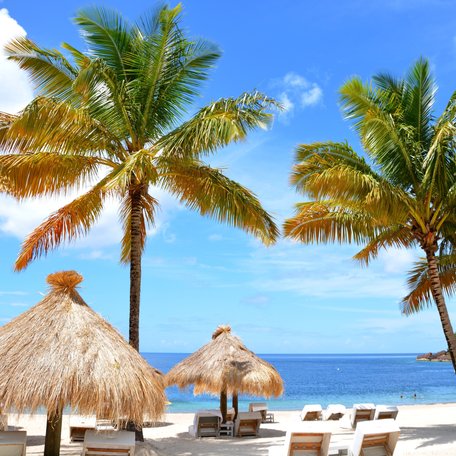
{"x": 426, "y": 430}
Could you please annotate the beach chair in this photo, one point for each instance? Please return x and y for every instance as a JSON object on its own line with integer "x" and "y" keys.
{"x": 79, "y": 425}
{"x": 205, "y": 424}
{"x": 308, "y": 439}
{"x": 375, "y": 438}
{"x": 110, "y": 443}
{"x": 385, "y": 412}
{"x": 334, "y": 412}
{"x": 311, "y": 412}
{"x": 230, "y": 414}
{"x": 247, "y": 423}
{"x": 13, "y": 443}
{"x": 262, "y": 407}
{"x": 362, "y": 412}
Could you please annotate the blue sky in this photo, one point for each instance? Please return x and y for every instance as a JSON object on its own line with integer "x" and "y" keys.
{"x": 197, "y": 273}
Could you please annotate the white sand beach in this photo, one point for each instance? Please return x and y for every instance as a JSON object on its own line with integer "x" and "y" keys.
{"x": 425, "y": 430}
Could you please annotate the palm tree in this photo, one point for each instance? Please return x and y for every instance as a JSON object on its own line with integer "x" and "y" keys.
{"x": 405, "y": 196}
{"x": 118, "y": 115}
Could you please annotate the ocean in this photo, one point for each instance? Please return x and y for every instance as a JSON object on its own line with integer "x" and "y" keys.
{"x": 394, "y": 379}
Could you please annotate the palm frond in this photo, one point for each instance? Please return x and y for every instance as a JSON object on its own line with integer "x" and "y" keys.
{"x": 328, "y": 221}
{"x": 51, "y": 73}
{"x": 420, "y": 295}
{"x": 210, "y": 192}
{"x": 222, "y": 122}
{"x": 69, "y": 222}
{"x": 45, "y": 174}
{"x": 398, "y": 236}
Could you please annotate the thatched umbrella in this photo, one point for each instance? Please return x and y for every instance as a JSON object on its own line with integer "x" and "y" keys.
{"x": 226, "y": 366}
{"x": 61, "y": 353}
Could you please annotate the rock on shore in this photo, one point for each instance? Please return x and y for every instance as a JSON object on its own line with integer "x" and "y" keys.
{"x": 439, "y": 356}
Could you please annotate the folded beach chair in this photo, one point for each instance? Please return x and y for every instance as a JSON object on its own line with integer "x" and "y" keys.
{"x": 307, "y": 439}
{"x": 247, "y": 423}
{"x": 205, "y": 424}
{"x": 311, "y": 412}
{"x": 230, "y": 414}
{"x": 13, "y": 443}
{"x": 114, "y": 443}
{"x": 262, "y": 407}
{"x": 334, "y": 412}
{"x": 362, "y": 412}
{"x": 386, "y": 412}
{"x": 79, "y": 425}
{"x": 375, "y": 438}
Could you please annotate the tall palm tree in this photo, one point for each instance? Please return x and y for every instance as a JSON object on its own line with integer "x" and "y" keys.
{"x": 404, "y": 196}
{"x": 118, "y": 114}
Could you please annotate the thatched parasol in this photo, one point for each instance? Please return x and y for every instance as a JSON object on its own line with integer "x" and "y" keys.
{"x": 61, "y": 353}
{"x": 226, "y": 366}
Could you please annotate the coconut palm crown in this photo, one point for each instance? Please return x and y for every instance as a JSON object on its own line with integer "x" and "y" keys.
{"x": 403, "y": 196}
{"x": 118, "y": 115}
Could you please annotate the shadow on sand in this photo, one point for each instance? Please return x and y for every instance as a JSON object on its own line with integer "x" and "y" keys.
{"x": 439, "y": 434}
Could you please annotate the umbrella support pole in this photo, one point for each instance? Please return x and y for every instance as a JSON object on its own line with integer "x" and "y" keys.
{"x": 53, "y": 434}
{"x": 235, "y": 405}
{"x": 223, "y": 405}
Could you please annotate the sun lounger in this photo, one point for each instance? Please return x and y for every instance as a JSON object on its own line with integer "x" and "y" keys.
{"x": 334, "y": 412}
{"x": 262, "y": 407}
{"x": 375, "y": 438}
{"x": 362, "y": 412}
{"x": 307, "y": 439}
{"x": 13, "y": 443}
{"x": 206, "y": 423}
{"x": 230, "y": 414}
{"x": 311, "y": 412}
{"x": 386, "y": 412}
{"x": 111, "y": 443}
{"x": 247, "y": 423}
{"x": 79, "y": 425}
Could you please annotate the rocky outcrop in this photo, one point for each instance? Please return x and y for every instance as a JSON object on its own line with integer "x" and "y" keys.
{"x": 439, "y": 356}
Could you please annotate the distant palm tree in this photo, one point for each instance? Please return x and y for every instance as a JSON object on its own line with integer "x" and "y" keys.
{"x": 406, "y": 197}
{"x": 118, "y": 113}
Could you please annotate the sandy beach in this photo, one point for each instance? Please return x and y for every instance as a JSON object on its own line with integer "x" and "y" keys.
{"x": 425, "y": 430}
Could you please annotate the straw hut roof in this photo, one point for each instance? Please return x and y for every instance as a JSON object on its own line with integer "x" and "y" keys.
{"x": 61, "y": 353}
{"x": 226, "y": 364}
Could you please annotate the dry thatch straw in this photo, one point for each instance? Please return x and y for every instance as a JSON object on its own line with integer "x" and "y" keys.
{"x": 61, "y": 353}
{"x": 226, "y": 365}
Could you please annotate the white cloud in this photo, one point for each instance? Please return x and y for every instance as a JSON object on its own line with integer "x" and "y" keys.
{"x": 15, "y": 88}
{"x": 296, "y": 91}
{"x": 312, "y": 96}
{"x": 398, "y": 260}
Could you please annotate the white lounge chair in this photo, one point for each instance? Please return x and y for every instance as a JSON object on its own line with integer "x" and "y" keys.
{"x": 113, "y": 443}
{"x": 13, "y": 443}
{"x": 307, "y": 439}
{"x": 311, "y": 412}
{"x": 262, "y": 407}
{"x": 386, "y": 412}
{"x": 79, "y": 425}
{"x": 334, "y": 412}
{"x": 247, "y": 423}
{"x": 230, "y": 414}
{"x": 206, "y": 423}
{"x": 375, "y": 438}
{"x": 362, "y": 412}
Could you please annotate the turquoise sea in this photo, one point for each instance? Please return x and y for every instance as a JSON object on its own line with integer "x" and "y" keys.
{"x": 325, "y": 379}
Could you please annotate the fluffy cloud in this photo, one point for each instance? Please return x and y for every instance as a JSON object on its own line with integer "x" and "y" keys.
{"x": 15, "y": 89}
{"x": 297, "y": 92}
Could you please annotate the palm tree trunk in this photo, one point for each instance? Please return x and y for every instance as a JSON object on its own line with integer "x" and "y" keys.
{"x": 135, "y": 285}
{"x": 436, "y": 289}
{"x": 135, "y": 269}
